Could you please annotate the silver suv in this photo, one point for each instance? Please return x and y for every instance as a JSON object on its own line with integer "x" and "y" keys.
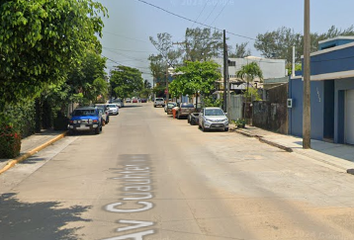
{"x": 159, "y": 102}
{"x": 213, "y": 118}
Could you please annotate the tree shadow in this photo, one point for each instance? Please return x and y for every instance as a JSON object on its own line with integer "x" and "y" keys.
{"x": 40, "y": 220}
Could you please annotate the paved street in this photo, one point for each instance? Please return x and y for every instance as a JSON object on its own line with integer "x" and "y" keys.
{"x": 148, "y": 176}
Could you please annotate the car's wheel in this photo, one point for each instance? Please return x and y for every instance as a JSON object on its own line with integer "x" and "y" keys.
{"x": 203, "y": 128}
{"x": 71, "y": 132}
{"x": 154, "y": 106}
{"x": 226, "y": 129}
{"x": 98, "y": 130}
{"x": 189, "y": 120}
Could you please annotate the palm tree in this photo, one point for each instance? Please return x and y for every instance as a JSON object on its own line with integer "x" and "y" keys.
{"x": 248, "y": 73}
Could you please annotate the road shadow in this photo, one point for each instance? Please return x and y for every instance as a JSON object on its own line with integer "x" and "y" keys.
{"x": 132, "y": 106}
{"x": 40, "y": 220}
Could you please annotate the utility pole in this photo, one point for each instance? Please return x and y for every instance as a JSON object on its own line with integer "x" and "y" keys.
{"x": 306, "y": 120}
{"x": 225, "y": 70}
{"x": 167, "y": 82}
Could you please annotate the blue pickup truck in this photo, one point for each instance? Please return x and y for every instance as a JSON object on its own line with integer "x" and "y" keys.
{"x": 87, "y": 119}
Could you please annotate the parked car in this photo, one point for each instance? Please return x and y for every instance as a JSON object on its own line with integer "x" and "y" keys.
{"x": 85, "y": 119}
{"x": 105, "y": 113}
{"x": 119, "y": 102}
{"x": 128, "y": 100}
{"x": 213, "y": 118}
{"x": 193, "y": 118}
{"x": 113, "y": 109}
{"x": 159, "y": 102}
{"x": 143, "y": 100}
{"x": 184, "y": 109}
{"x": 169, "y": 106}
{"x": 135, "y": 100}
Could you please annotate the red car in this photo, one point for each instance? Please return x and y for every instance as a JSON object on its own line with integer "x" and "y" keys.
{"x": 135, "y": 100}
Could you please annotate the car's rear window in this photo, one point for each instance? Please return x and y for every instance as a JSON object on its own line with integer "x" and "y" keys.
{"x": 84, "y": 112}
{"x": 159, "y": 99}
{"x": 111, "y": 105}
{"x": 189, "y": 105}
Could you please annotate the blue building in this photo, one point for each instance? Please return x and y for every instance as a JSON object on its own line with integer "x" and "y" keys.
{"x": 332, "y": 93}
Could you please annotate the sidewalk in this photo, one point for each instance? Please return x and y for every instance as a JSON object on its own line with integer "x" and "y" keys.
{"x": 337, "y": 155}
{"x": 31, "y": 145}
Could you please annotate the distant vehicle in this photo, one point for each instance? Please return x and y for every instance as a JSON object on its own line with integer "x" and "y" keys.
{"x": 85, "y": 119}
{"x": 135, "y": 100}
{"x": 113, "y": 109}
{"x": 119, "y": 102}
{"x": 184, "y": 110}
{"x": 105, "y": 113}
{"x": 159, "y": 102}
{"x": 169, "y": 106}
{"x": 213, "y": 118}
{"x": 128, "y": 100}
{"x": 143, "y": 100}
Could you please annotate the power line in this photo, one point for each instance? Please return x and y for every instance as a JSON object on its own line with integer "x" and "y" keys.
{"x": 220, "y": 12}
{"x": 190, "y": 20}
{"x": 119, "y": 35}
{"x": 211, "y": 12}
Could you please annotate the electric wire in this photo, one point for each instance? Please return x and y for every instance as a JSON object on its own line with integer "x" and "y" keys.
{"x": 190, "y": 20}
{"x": 220, "y": 12}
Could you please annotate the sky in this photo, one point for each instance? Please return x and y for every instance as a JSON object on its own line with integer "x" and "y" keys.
{"x": 131, "y": 22}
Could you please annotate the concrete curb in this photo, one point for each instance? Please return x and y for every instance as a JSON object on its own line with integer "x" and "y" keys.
{"x": 13, "y": 162}
{"x": 261, "y": 139}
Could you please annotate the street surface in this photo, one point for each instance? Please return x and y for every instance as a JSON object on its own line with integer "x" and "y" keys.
{"x": 148, "y": 176}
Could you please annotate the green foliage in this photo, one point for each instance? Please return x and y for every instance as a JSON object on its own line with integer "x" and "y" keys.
{"x": 298, "y": 67}
{"x": 249, "y": 72}
{"x": 240, "y": 122}
{"x": 209, "y": 101}
{"x": 41, "y": 40}
{"x": 241, "y": 51}
{"x": 195, "y": 77}
{"x": 202, "y": 44}
{"x": 10, "y": 141}
{"x": 252, "y": 93}
{"x": 125, "y": 81}
{"x": 279, "y": 43}
{"x": 20, "y": 116}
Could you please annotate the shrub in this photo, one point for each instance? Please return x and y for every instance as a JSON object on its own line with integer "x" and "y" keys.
{"x": 240, "y": 123}
{"x": 10, "y": 141}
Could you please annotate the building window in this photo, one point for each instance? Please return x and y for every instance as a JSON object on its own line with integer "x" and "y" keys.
{"x": 232, "y": 63}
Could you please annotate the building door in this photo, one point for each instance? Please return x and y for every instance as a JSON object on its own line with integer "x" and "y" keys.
{"x": 349, "y": 117}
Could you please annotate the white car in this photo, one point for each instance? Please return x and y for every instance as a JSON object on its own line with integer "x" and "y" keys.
{"x": 213, "y": 118}
{"x": 113, "y": 109}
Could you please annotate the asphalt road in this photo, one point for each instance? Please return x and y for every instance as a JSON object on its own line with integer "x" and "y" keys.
{"x": 148, "y": 176}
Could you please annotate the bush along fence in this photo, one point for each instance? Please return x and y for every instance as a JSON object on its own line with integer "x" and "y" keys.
{"x": 10, "y": 142}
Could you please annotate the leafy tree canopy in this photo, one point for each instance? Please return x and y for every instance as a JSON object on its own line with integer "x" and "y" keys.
{"x": 40, "y": 40}
{"x": 241, "y": 51}
{"x": 125, "y": 81}
{"x": 202, "y": 44}
{"x": 279, "y": 43}
{"x": 195, "y": 77}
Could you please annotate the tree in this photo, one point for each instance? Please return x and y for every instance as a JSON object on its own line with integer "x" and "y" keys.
{"x": 40, "y": 40}
{"x": 146, "y": 91}
{"x": 279, "y": 43}
{"x": 202, "y": 44}
{"x": 240, "y": 51}
{"x": 125, "y": 80}
{"x": 196, "y": 77}
{"x": 248, "y": 73}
